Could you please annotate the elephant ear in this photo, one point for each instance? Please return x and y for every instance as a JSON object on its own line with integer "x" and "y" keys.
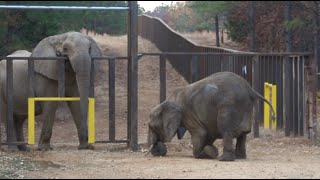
{"x": 171, "y": 116}
{"x": 48, "y": 48}
{"x": 94, "y": 51}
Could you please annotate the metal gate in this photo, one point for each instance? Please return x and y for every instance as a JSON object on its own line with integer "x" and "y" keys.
{"x": 132, "y": 59}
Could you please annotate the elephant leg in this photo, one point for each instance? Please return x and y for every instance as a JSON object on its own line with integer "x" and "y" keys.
{"x": 228, "y": 151}
{"x": 202, "y": 149}
{"x": 75, "y": 108}
{"x": 241, "y": 147}
{"x": 82, "y": 134}
{"x": 225, "y": 128}
{"x": 50, "y": 108}
{"x": 19, "y": 132}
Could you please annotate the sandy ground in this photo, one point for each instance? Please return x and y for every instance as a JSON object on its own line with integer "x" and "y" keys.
{"x": 270, "y": 156}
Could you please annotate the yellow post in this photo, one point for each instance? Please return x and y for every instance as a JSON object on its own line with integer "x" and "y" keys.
{"x": 31, "y": 116}
{"x": 266, "y": 121}
{"x": 31, "y": 126}
{"x": 274, "y": 105}
{"x": 91, "y": 122}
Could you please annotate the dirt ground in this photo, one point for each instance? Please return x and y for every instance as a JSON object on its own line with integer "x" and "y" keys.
{"x": 270, "y": 156}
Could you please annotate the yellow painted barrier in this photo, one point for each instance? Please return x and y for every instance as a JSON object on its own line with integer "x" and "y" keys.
{"x": 270, "y": 93}
{"x": 274, "y": 105}
{"x": 31, "y": 116}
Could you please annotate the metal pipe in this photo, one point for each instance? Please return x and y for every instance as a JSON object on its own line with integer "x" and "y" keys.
{"x": 62, "y": 7}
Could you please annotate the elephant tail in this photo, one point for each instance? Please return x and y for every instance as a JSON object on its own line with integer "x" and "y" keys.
{"x": 256, "y": 95}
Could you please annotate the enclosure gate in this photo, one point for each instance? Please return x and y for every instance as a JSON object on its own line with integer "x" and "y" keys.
{"x": 132, "y": 76}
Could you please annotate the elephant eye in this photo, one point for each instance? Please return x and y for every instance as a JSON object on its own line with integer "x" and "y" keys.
{"x": 65, "y": 49}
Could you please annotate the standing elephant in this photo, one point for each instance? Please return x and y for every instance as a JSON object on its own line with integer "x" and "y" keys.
{"x": 219, "y": 106}
{"x": 79, "y": 49}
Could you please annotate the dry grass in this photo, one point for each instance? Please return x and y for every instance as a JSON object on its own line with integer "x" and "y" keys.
{"x": 208, "y": 38}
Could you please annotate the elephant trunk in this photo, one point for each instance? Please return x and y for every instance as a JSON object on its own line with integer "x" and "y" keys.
{"x": 82, "y": 69}
{"x": 157, "y": 147}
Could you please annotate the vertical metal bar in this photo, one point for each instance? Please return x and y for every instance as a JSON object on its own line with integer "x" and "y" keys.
{"x": 302, "y": 96}
{"x": 298, "y": 104}
{"x": 61, "y": 81}
{"x": 112, "y": 106}
{"x": 294, "y": 96}
{"x": 286, "y": 95}
{"x": 163, "y": 83}
{"x": 194, "y": 69}
{"x": 92, "y": 78}
{"x": 31, "y": 78}
{"x": 262, "y": 68}
{"x": 291, "y": 94}
{"x": 10, "y": 122}
{"x": 133, "y": 74}
{"x": 280, "y": 104}
{"x": 314, "y": 88}
{"x": 256, "y": 79}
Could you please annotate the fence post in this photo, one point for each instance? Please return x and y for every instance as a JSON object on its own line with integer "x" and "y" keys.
{"x": 10, "y": 122}
{"x": 112, "y": 132}
{"x": 256, "y": 80}
{"x": 133, "y": 75}
{"x": 163, "y": 84}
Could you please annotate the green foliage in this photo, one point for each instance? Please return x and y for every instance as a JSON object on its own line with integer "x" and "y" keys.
{"x": 24, "y": 28}
{"x": 210, "y": 8}
{"x": 237, "y": 30}
{"x": 294, "y": 24}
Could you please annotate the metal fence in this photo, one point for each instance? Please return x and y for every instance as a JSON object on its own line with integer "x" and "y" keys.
{"x": 287, "y": 70}
{"x": 132, "y": 76}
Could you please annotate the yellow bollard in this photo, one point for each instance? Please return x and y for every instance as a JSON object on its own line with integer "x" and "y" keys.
{"x": 31, "y": 116}
{"x": 91, "y": 122}
{"x": 31, "y": 126}
{"x": 267, "y": 95}
{"x": 274, "y": 105}
{"x": 270, "y": 93}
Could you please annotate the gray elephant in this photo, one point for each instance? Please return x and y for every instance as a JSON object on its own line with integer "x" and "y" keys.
{"x": 219, "y": 106}
{"x": 79, "y": 49}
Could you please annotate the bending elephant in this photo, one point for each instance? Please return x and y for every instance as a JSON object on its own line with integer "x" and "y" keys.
{"x": 219, "y": 106}
{"x": 79, "y": 49}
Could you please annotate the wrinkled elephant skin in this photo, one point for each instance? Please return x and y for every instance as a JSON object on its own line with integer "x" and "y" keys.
{"x": 219, "y": 106}
{"x": 78, "y": 48}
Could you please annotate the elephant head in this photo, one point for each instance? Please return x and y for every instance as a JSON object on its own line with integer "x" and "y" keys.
{"x": 79, "y": 49}
{"x": 164, "y": 123}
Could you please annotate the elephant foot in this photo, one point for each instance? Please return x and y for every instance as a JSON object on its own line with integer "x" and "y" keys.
{"x": 241, "y": 154}
{"x": 23, "y": 148}
{"x": 84, "y": 146}
{"x": 211, "y": 151}
{"x": 44, "y": 147}
{"x": 227, "y": 156}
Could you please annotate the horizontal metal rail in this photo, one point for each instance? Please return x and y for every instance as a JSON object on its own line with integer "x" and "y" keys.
{"x": 14, "y": 143}
{"x": 65, "y": 58}
{"x": 116, "y": 141}
{"x": 233, "y": 54}
{"x": 62, "y": 7}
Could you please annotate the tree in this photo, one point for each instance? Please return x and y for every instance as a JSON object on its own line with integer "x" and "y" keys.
{"x": 211, "y": 11}
{"x": 24, "y": 28}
